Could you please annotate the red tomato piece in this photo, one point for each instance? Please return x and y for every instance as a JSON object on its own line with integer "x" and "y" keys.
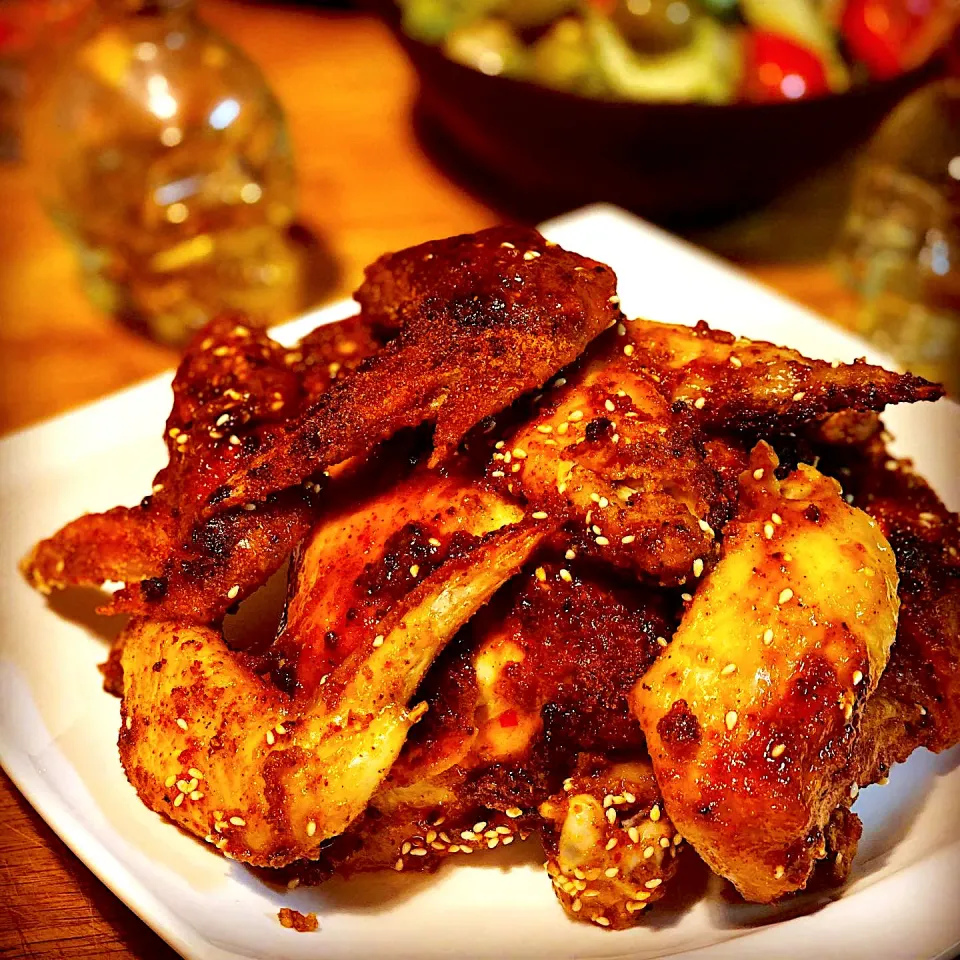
{"x": 777, "y": 68}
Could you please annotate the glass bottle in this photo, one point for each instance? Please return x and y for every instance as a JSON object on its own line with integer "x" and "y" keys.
{"x": 900, "y": 246}
{"x": 165, "y": 158}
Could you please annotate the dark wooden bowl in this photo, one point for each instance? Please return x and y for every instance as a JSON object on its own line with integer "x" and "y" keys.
{"x": 666, "y": 161}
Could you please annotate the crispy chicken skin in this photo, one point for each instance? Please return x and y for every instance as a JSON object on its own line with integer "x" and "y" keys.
{"x": 603, "y": 451}
{"x": 751, "y": 713}
{"x": 370, "y": 552}
{"x": 483, "y": 318}
{"x": 610, "y": 847}
{"x": 269, "y": 777}
{"x": 732, "y": 383}
{"x": 917, "y": 701}
{"x": 232, "y": 386}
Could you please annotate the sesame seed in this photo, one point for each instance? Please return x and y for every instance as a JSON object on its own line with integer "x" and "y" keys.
{"x": 513, "y": 812}
{"x": 705, "y": 527}
{"x": 655, "y": 813}
{"x": 608, "y": 404}
{"x": 776, "y": 518}
{"x": 311, "y": 828}
{"x": 271, "y": 739}
{"x": 786, "y": 595}
{"x": 628, "y": 350}
{"x": 768, "y": 530}
{"x": 612, "y": 815}
{"x": 700, "y": 402}
{"x": 519, "y": 453}
{"x": 628, "y": 539}
{"x": 603, "y": 502}
{"x": 857, "y": 676}
{"x": 509, "y": 839}
{"x": 664, "y": 842}
{"x": 778, "y": 873}
{"x": 730, "y": 719}
{"x": 653, "y": 884}
{"x": 541, "y": 574}
{"x": 565, "y": 575}
{"x": 686, "y": 597}
{"x": 778, "y": 750}
{"x": 418, "y": 852}
{"x": 662, "y": 641}
{"x": 611, "y": 872}
{"x": 178, "y": 800}
{"x": 545, "y": 428}
{"x": 280, "y": 728}
{"x": 577, "y": 905}
{"x": 758, "y": 473}
{"x": 234, "y": 440}
{"x": 736, "y": 362}
{"x": 181, "y": 723}
{"x": 798, "y": 396}
{"x": 398, "y": 866}
{"x": 728, "y": 669}
{"x": 171, "y": 780}
{"x": 194, "y": 772}
{"x": 414, "y": 570}
{"x": 848, "y": 711}
{"x": 195, "y": 795}
{"x": 634, "y": 834}
{"x": 601, "y": 921}
{"x": 540, "y": 515}
{"x": 571, "y": 554}
{"x": 698, "y": 567}
{"x": 562, "y": 428}
{"x": 233, "y": 591}
{"x": 575, "y": 415}
{"x": 611, "y": 843}
{"x": 854, "y": 790}
{"x": 497, "y": 473}
{"x": 531, "y": 255}
{"x": 768, "y": 637}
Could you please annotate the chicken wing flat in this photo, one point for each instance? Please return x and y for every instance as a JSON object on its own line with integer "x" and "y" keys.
{"x": 232, "y": 386}
{"x": 604, "y": 452}
{"x": 367, "y": 554}
{"x": 751, "y": 713}
{"x": 483, "y": 318}
{"x": 732, "y": 383}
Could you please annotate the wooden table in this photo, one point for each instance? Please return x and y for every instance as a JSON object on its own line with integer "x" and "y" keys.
{"x": 365, "y": 187}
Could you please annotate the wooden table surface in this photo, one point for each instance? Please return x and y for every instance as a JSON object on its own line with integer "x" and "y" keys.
{"x": 365, "y": 187}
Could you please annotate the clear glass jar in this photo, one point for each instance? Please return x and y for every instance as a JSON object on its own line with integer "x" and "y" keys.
{"x": 900, "y": 247}
{"x": 165, "y": 158}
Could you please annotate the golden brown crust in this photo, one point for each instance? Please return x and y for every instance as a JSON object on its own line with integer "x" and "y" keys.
{"x": 751, "y": 713}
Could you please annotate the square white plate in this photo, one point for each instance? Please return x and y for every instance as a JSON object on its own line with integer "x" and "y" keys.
{"x": 58, "y": 729}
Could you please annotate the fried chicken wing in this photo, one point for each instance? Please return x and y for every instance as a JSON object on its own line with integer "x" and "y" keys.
{"x": 233, "y": 385}
{"x": 610, "y": 847}
{"x": 368, "y": 553}
{"x": 604, "y": 451}
{"x": 230, "y": 757}
{"x": 483, "y": 318}
{"x": 732, "y": 383}
{"x": 751, "y": 713}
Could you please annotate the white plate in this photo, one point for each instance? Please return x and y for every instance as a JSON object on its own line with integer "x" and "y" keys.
{"x": 58, "y": 730}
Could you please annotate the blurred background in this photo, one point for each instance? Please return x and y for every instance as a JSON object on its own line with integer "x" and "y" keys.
{"x": 164, "y": 160}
